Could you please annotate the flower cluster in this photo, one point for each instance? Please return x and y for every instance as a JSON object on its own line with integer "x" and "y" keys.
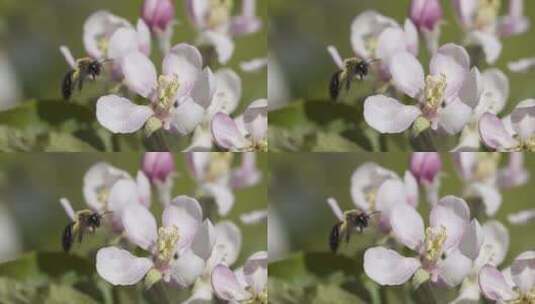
{"x": 187, "y": 97}
{"x": 462, "y": 243}
{"x": 454, "y": 98}
{"x": 187, "y": 249}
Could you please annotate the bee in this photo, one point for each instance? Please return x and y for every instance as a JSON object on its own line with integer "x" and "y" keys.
{"x": 353, "y": 67}
{"x": 85, "y": 220}
{"x": 85, "y": 67}
{"x": 353, "y": 219}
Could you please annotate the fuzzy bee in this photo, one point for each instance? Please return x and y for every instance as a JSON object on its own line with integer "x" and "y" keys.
{"x": 85, "y": 67}
{"x": 353, "y": 67}
{"x": 353, "y": 220}
{"x": 85, "y": 221}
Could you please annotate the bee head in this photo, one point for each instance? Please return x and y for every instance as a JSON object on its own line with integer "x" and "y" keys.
{"x": 94, "y": 68}
{"x": 94, "y": 220}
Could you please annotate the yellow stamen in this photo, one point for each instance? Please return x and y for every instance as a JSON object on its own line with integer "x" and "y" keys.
{"x": 435, "y": 86}
{"x": 167, "y": 240}
{"x": 487, "y": 165}
{"x": 167, "y": 87}
{"x": 219, "y": 165}
{"x": 487, "y": 13}
{"x": 220, "y": 11}
{"x": 434, "y": 241}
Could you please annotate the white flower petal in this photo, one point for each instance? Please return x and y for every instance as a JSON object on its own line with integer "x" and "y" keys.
{"x": 140, "y": 226}
{"x": 228, "y": 93}
{"x": 455, "y": 116}
{"x": 493, "y": 133}
{"x": 139, "y": 73}
{"x": 184, "y": 213}
{"x": 122, "y": 42}
{"x": 223, "y": 44}
{"x": 187, "y": 116}
{"x": 368, "y": 176}
{"x": 223, "y": 197}
{"x": 407, "y": 226}
{"x": 387, "y": 115}
{"x": 453, "y": 214}
{"x": 226, "y": 133}
{"x": 455, "y": 268}
{"x": 492, "y": 47}
{"x": 490, "y": 196}
{"x": 493, "y": 285}
{"x": 187, "y": 268}
{"x": 407, "y": 73}
{"x": 120, "y": 267}
{"x": 184, "y": 61}
{"x": 255, "y": 271}
{"x": 226, "y": 285}
{"x": 523, "y": 271}
{"x": 387, "y": 267}
{"x": 523, "y": 118}
{"x": 255, "y": 119}
{"x": 452, "y": 61}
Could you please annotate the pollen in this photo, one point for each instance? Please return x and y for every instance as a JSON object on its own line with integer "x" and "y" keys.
{"x": 219, "y": 165}
{"x": 167, "y": 239}
{"x": 487, "y": 13}
{"x": 528, "y": 144}
{"x": 370, "y": 44}
{"x": 371, "y": 197}
{"x": 219, "y": 12}
{"x": 103, "y": 44}
{"x": 434, "y": 241}
{"x": 435, "y": 86}
{"x": 167, "y": 88}
{"x": 103, "y": 194}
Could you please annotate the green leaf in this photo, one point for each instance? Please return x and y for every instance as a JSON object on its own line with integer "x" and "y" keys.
{"x": 61, "y": 294}
{"x": 281, "y": 292}
{"x": 332, "y": 142}
{"x": 13, "y": 140}
{"x": 317, "y": 112}
{"x": 63, "y": 142}
{"x": 326, "y": 293}
{"x": 12, "y": 291}
{"x": 53, "y": 264}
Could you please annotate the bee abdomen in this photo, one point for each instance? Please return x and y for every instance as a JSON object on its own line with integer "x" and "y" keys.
{"x": 334, "y": 85}
{"x": 334, "y": 238}
{"x": 66, "y": 240}
{"x": 66, "y": 85}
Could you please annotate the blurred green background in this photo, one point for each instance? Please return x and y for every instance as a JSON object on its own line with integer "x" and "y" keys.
{"x": 33, "y": 183}
{"x": 31, "y": 32}
{"x": 300, "y": 31}
{"x": 300, "y": 183}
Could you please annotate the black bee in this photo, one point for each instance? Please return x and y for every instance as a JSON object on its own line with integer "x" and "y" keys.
{"x": 353, "y": 67}
{"x": 86, "y": 220}
{"x": 85, "y": 67}
{"x": 354, "y": 219}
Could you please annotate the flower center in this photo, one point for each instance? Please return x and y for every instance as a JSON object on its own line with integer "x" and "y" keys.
{"x": 528, "y": 298}
{"x": 102, "y": 44}
{"x": 370, "y": 197}
{"x": 167, "y": 239}
{"x": 370, "y": 44}
{"x": 261, "y": 298}
{"x": 487, "y": 12}
{"x": 435, "y": 86}
{"x": 219, "y": 165}
{"x": 219, "y": 12}
{"x": 434, "y": 241}
{"x": 486, "y": 166}
{"x": 167, "y": 87}
{"x": 103, "y": 194}
{"x": 528, "y": 145}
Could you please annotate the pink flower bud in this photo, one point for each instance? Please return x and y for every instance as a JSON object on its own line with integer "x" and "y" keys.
{"x": 425, "y": 166}
{"x": 158, "y": 165}
{"x": 158, "y": 14}
{"x": 425, "y": 14}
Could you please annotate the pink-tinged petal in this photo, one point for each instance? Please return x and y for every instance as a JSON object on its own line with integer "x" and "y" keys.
{"x": 407, "y": 226}
{"x": 226, "y": 285}
{"x": 222, "y": 43}
{"x": 453, "y": 214}
{"x": 426, "y": 14}
{"x": 187, "y": 268}
{"x": 143, "y": 37}
{"x": 472, "y": 240}
{"x": 228, "y": 242}
{"x": 184, "y": 213}
{"x": 335, "y": 55}
{"x": 143, "y": 189}
{"x": 495, "y": 242}
{"x": 122, "y": 194}
{"x": 197, "y": 162}
{"x": 101, "y": 176}
{"x": 140, "y": 226}
{"x": 523, "y": 118}
{"x": 120, "y": 268}
{"x": 522, "y": 65}
{"x": 139, "y": 73}
{"x": 468, "y": 294}
{"x": 184, "y": 61}
{"x": 223, "y": 197}
{"x": 523, "y": 271}
{"x": 367, "y": 176}
{"x": 515, "y": 174}
{"x": 464, "y": 163}
{"x": 255, "y": 271}
{"x": 122, "y": 42}
{"x": 494, "y": 286}
{"x": 388, "y": 115}
{"x": 204, "y": 240}
{"x": 452, "y": 61}
{"x": 335, "y": 208}
{"x": 491, "y": 45}
{"x": 493, "y": 133}
{"x": 120, "y": 115}
{"x": 226, "y": 133}
{"x": 515, "y": 22}
{"x": 254, "y": 65}
{"x": 472, "y": 88}
{"x": 201, "y": 293}
{"x": 387, "y": 267}
{"x": 158, "y": 166}
{"x": 247, "y": 174}
{"x": 255, "y": 119}
{"x": 411, "y": 189}
{"x": 490, "y": 196}
{"x": 100, "y": 25}
{"x": 407, "y": 74}
{"x": 228, "y": 93}
{"x": 187, "y": 116}
{"x": 454, "y": 116}
{"x": 66, "y": 52}
{"x": 454, "y": 268}
{"x": 244, "y": 25}
{"x": 390, "y": 42}
{"x": 465, "y": 10}
{"x": 197, "y": 10}
{"x": 390, "y": 193}
{"x": 254, "y": 217}
{"x": 204, "y": 88}
{"x": 521, "y": 217}
{"x": 411, "y": 36}
{"x": 365, "y": 25}
{"x": 495, "y": 92}
{"x": 68, "y": 208}
{"x": 425, "y": 166}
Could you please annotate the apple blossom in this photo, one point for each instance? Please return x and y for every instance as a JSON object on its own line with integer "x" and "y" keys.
{"x": 445, "y": 98}
{"x": 427, "y": 17}
{"x": 513, "y": 285}
{"x": 425, "y": 166}
{"x": 217, "y": 27}
{"x": 158, "y": 14}
{"x": 247, "y": 132}
{"x": 178, "y": 98}
{"x": 247, "y": 284}
{"x": 178, "y": 249}
{"x": 158, "y": 166}
{"x": 216, "y": 178}
{"x": 515, "y": 132}
{"x": 445, "y": 250}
